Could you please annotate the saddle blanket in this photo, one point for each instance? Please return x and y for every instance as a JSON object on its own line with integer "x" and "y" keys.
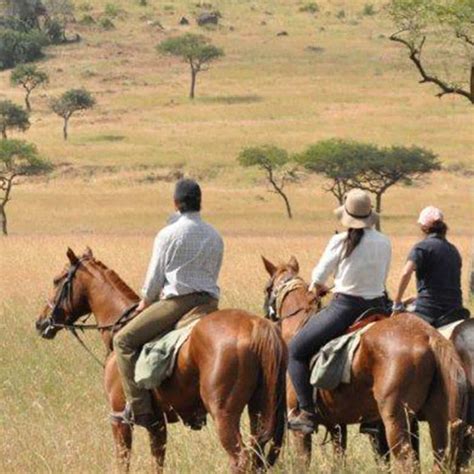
{"x": 158, "y": 357}
{"x": 332, "y": 365}
{"x": 447, "y": 330}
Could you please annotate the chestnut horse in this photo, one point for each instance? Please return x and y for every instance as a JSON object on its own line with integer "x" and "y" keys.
{"x": 401, "y": 369}
{"x": 232, "y": 359}
{"x": 463, "y": 339}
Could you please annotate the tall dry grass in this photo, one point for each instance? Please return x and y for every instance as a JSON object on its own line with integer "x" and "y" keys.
{"x": 53, "y": 413}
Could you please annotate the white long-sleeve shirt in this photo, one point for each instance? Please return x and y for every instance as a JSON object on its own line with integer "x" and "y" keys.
{"x": 363, "y": 273}
{"x": 187, "y": 257}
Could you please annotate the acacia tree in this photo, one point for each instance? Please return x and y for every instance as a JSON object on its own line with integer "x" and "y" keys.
{"x": 395, "y": 165}
{"x": 349, "y": 164}
{"x": 29, "y": 77}
{"x": 274, "y": 161}
{"x": 12, "y": 116}
{"x": 194, "y": 49}
{"x": 339, "y": 161}
{"x": 70, "y": 102}
{"x": 17, "y": 158}
{"x": 439, "y": 37}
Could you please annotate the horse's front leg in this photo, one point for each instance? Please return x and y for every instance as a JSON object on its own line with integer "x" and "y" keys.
{"x": 122, "y": 433}
{"x": 158, "y": 436}
{"x": 339, "y": 442}
{"x": 302, "y": 444}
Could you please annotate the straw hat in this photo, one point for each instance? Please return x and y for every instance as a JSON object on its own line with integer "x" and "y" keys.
{"x": 357, "y": 210}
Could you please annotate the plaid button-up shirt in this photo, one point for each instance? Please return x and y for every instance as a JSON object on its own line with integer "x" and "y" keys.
{"x": 187, "y": 257}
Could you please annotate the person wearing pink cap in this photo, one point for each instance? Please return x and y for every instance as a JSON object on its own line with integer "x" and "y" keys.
{"x": 437, "y": 264}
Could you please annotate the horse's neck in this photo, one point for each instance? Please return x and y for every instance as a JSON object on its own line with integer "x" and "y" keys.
{"x": 107, "y": 302}
{"x": 294, "y": 312}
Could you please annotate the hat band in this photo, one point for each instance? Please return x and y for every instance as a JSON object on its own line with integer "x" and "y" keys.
{"x": 355, "y": 216}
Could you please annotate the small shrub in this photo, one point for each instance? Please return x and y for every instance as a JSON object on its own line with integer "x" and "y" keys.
{"x": 85, "y": 7}
{"x": 312, "y": 7}
{"x": 112, "y": 10}
{"x": 143, "y": 3}
{"x": 106, "y": 23}
{"x": 168, "y": 8}
{"x": 18, "y": 47}
{"x": 12, "y": 23}
{"x": 87, "y": 20}
{"x": 460, "y": 168}
{"x": 108, "y": 138}
{"x": 341, "y": 14}
{"x": 55, "y": 32}
{"x": 368, "y": 9}
{"x": 88, "y": 73}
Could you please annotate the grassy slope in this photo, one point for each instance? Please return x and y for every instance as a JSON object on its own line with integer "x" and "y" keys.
{"x": 360, "y": 86}
{"x": 267, "y": 89}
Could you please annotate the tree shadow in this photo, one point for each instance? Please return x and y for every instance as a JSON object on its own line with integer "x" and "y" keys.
{"x": 232, "y": 99}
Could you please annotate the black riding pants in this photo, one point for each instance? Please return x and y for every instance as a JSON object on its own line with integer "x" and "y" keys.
{"x": 328, "y": 324}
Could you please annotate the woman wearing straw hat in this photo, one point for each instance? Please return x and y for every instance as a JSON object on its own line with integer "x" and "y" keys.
{"x": 359, "y": 259}
{"x": 437, "y": 264}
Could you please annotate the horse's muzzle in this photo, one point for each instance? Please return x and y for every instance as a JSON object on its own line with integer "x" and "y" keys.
{"x": 46, "y": 329}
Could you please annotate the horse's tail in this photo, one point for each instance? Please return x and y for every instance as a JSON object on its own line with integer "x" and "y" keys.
{"x": 455, "y": 386}
{"x": 269, "y": 399}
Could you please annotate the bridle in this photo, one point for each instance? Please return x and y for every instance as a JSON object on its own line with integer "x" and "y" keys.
{"x": 278, "y": 293}
{"x": 65, "y": 295}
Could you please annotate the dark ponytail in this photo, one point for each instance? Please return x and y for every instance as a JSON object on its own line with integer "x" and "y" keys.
{"x": 354, "y": 236}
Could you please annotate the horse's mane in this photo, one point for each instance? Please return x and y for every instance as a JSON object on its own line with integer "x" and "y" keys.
{"x": 115, "y": 280}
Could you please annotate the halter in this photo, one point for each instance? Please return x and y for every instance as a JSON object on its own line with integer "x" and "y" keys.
{"x": 278, "y": 294}
{"x": 65, "y": 294}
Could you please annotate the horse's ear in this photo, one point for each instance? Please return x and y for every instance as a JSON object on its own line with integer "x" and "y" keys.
{"x": 271, "y": 269}
{"x": 293, "y": 263}
{"x": 72, "y": 256}
{"x": 88, "y": 253}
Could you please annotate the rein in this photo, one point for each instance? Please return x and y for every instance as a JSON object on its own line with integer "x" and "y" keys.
{"x": 124, "y": 318}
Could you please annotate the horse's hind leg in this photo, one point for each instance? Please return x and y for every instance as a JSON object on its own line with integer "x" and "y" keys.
{"x": 122, "y": 433}
{"x": 437, "y": 417}
{"x": 396, "y": 421}
{"x": 228, "y": 430}
{"x": 226, "y": 388}
{"x": 257, "y": 441}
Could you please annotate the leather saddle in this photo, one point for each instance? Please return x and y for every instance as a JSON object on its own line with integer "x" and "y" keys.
{"x": 370, "y": 316}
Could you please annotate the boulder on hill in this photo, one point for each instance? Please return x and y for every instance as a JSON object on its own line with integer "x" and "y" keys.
{"x": 208, "y": 18}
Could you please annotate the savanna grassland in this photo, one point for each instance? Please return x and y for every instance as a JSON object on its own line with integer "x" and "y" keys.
{"x": 330, "y": 77}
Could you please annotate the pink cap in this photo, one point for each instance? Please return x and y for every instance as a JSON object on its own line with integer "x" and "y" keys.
{"x": 429, "y": 215}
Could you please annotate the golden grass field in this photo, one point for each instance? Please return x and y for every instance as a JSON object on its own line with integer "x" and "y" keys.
{"x": 108, "y": 193}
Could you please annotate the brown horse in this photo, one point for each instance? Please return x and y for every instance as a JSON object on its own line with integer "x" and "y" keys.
{"x": 401, "y": 369}
{"x": 231, "y": 359}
